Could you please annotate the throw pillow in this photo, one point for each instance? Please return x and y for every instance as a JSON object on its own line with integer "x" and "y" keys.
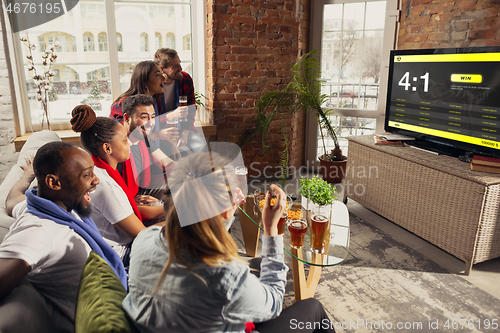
{"x": 100, "y": 296}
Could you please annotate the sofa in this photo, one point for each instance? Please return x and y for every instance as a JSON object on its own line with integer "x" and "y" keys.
{"x": 25, "y": 309}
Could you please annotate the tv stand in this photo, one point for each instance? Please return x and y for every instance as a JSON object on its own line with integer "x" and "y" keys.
{"x": 437, "y": 148}
{"x": 436, "y": 197}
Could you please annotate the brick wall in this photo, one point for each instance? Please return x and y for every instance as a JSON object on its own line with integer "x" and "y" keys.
{"x": 440, "y": 24}
{"x": 8, "y": 157}
{"x": 252, "y": 45}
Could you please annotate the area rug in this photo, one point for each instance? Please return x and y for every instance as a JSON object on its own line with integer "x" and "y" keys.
{"x": 385, "y": 286}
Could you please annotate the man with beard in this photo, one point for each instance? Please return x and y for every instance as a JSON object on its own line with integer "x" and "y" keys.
{"x": 149, "y": 163}
{"x": 179, "y": 83}
{"x": 50, "y": 241}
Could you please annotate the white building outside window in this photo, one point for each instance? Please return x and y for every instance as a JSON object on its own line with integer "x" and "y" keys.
{"x": 78, "y": 62}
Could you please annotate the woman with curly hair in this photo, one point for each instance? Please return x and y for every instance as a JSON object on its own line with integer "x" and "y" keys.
{"x": 114, "y": 209}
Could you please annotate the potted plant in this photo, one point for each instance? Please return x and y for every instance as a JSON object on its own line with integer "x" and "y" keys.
{"x": 302, "y": 94}
{"x": 317, "y": 195}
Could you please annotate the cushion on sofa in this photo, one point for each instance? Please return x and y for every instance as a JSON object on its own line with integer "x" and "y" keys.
{"x": 100, "y": 296}
{"x": 35, "y": 141}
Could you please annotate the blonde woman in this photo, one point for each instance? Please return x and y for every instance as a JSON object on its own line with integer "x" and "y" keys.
{"x": 191, "y": 279}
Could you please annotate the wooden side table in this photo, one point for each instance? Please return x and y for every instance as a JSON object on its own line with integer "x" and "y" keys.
{"x": 336, "y": 247}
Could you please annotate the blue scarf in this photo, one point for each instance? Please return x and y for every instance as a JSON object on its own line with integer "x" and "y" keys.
{"x": 46, "y": 209}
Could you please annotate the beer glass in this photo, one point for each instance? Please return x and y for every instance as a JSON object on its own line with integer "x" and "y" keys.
{"x": 319, "y": 231}
{"x": 282, "y": 223}
{"x": 241, "y": 178}
{"x": 297, "y": 229}
{"x": 172, "y": 123}
{"x": 183, "y": 101}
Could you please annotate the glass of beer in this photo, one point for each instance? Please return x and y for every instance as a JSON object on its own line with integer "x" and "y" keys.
{"x": 297, "y": 229}
{"x": 172, "y": 123}
{"x": 183, "y": 101}
{"x": 319, "y": 227}
{"x": 282, "y": 223}
{"x": 241, "y": 178}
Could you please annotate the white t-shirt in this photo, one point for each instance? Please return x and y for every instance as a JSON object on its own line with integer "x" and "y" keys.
{"x": 55, "y": 253}
{"x": 109, "y": 206}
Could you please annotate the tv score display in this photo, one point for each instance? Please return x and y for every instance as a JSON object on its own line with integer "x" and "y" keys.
{"x": 450, "y": 96}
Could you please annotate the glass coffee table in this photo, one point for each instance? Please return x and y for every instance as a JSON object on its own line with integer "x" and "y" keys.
{"x": 336, "y": 245}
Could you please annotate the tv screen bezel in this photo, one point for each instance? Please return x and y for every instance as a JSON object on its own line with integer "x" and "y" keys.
{"x": 438, "y": 141}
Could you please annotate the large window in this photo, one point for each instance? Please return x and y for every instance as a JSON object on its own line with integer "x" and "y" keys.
{"x": 170, "y": 41}
{"x": 66, "y": 42}
{"x": 103, "y": 41}
{"x": 354, "y": 39}
{"x": 143, "y": 42}
{"x": 119, "y": 42}
{"x": 82, "y": 75}
{"x": 88, "y": 42}
{"x": 158, "y": 43}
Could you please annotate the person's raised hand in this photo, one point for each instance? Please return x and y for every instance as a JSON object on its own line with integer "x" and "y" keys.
{"x": 171, "y": 134}
{"x": 179, "y": 113}
{"x": 272, "y": 214}
{"x": 28, "y": 168}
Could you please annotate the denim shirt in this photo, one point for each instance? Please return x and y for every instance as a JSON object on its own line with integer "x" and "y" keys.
{"x": 202, "y": 298}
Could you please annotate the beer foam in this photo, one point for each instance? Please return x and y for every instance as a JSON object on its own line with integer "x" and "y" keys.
{"x": 297, "y": 225}
{"x": 319, "y": 218}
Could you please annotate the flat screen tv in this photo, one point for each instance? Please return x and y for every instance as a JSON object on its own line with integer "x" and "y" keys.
{"x": 448, "y": 99}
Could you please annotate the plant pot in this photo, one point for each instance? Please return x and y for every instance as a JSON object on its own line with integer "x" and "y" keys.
{"x": 310, "y": 207}
{"x": 333, "y": 172}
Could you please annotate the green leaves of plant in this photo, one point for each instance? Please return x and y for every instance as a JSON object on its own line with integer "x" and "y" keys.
{"x": 317, "y": 190}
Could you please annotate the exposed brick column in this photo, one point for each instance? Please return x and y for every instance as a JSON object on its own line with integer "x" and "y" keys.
{"x": 254, "y": 45}
{"x": 440, "y": 24}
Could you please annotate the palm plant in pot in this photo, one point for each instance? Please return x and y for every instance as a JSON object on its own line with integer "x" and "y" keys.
{"x": 302, "y": 94}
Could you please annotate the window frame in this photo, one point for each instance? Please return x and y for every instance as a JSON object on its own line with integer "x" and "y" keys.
{"x": 88, "y": 42}
{"x": 18, "y": 81}
{"x": 102, "y": 41}
{"x": 389, "y": 43}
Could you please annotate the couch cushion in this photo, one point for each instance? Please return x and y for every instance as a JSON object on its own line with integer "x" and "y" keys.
{"x": 100, "y": 296}
{"x": 35, "y": 141}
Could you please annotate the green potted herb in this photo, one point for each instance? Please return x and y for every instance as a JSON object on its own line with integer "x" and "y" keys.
{"x": 317, "y": 195}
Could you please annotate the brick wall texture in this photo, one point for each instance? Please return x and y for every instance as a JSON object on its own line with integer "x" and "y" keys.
{"x": 252, "y": 45}
{"x": 440, "y": 24}
{"x": 8, "y": 157}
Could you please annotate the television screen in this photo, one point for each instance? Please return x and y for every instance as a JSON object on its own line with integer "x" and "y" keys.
{"x": 448, "y": 98}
